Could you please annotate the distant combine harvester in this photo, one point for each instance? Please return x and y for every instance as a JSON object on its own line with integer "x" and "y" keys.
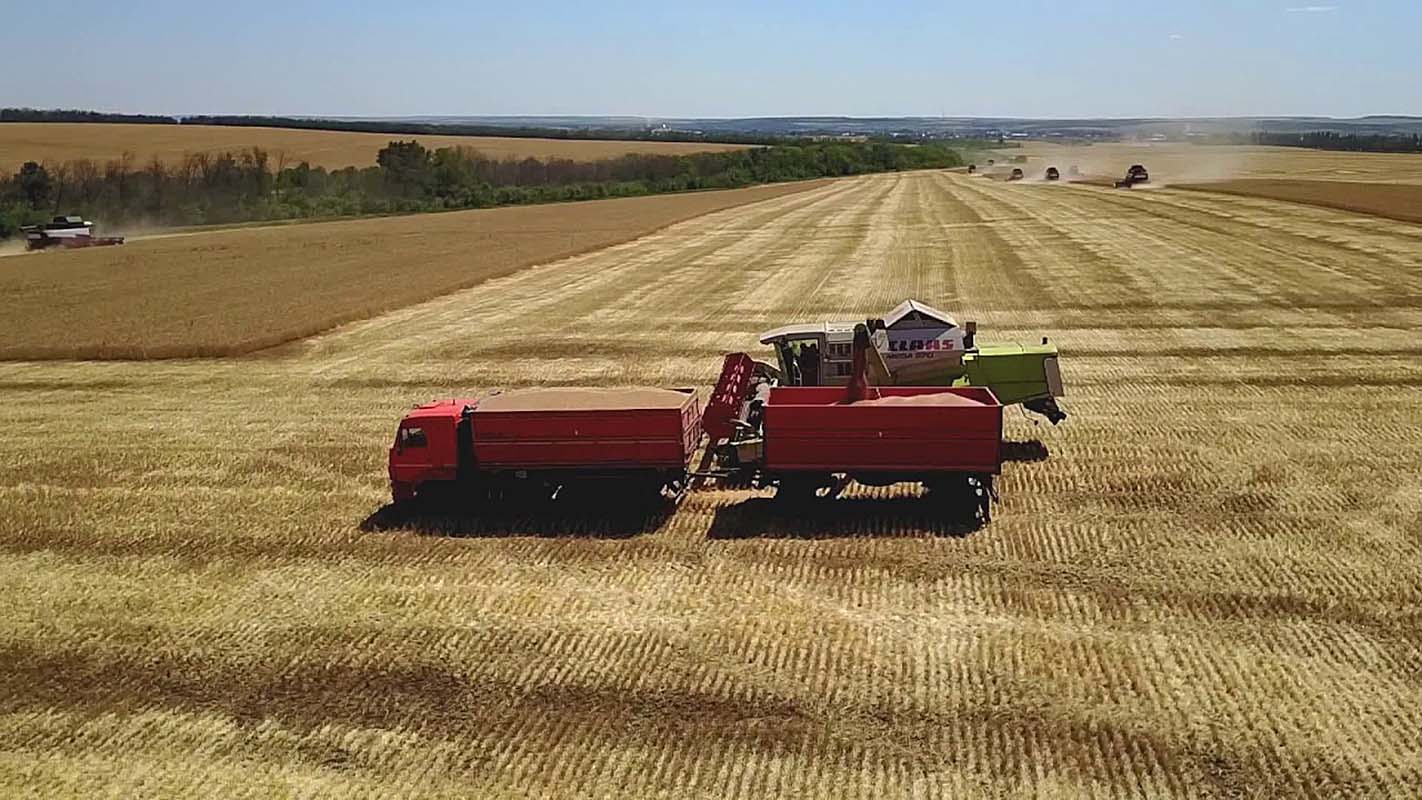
{"x": 65, "y": 232}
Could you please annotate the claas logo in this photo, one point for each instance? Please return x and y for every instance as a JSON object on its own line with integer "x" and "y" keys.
{"x": 907, "y": 345}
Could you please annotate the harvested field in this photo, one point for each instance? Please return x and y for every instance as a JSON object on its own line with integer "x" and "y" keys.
{"x": 1400, "y": 201}
{"x": 1210, "y": 588}
{"x": 229, "y": 292}
{"x": 64, "y": 141}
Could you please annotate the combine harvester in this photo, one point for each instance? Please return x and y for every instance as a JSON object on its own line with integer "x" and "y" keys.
{"x": 66, "y": 233}
{"x": 918, "y": 345}
{"x": 1135, "y": 175}
{"x": 804, "y": 441}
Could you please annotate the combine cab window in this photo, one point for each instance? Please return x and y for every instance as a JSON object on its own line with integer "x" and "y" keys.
{"x": 412, "y": 437}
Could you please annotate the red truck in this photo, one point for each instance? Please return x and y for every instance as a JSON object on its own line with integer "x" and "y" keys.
{"x": 804, "y": 441}
{"x": 540, "y": 439}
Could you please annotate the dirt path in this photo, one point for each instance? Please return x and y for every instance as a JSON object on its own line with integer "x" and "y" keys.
{"x": 1210, "y": 588}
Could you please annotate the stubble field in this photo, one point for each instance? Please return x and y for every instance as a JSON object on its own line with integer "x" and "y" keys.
{"x": 63, "y": 141}
{"x": 1210, "y": 588}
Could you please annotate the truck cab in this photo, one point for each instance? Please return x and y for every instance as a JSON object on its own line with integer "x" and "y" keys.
{"x": 427, "y": 445}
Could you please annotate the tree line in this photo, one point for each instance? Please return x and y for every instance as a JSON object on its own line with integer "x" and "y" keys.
{"x": 392, "y": 127}
{"x": 1326, "y": 140}
{"x": 250, "y": 185}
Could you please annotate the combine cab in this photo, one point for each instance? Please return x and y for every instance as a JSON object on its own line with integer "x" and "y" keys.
{"x": 1053, "y": 174}
{"x": 1016, "y": 174}
{"x": 917, "y": 345}
{"x": 1136, "y": 174}
{"x": 67, "y": 233}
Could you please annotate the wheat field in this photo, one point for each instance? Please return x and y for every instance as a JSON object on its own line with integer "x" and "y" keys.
{"x": 230, "y": 292}
{"x": 1210, "y": 588}
{"x": 56, "y": 142}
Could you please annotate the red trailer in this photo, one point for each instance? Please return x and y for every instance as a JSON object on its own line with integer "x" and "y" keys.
{"x": 909, "y": 429}
{"x": 810, "y": 441}
{"x": 543, "y": 439}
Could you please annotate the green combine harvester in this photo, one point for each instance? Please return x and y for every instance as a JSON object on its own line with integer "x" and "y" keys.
{"x": 918, "y": 345}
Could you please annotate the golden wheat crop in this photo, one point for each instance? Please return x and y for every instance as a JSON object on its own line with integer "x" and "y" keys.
{"x": 1399, "y": 201}
{"x": 63, "y": 141}
{"x": 223, "y": 293}
{"x": 1211, "y": 588}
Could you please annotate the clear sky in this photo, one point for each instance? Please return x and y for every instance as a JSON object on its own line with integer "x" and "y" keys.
{"x": 1028, "y": 58}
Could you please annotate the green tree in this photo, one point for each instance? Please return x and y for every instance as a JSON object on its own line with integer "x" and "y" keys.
{"x": 34, "y": 184}
{"x": 406, "y": 167}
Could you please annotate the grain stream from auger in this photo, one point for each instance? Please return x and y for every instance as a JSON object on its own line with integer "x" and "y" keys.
{"x": 1210, "y": 588}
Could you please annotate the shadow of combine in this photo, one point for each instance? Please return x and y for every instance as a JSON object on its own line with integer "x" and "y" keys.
{"x": 1024, "y": 452}
{"x": 841, "y": 518}
{"x": 548, "y": 519}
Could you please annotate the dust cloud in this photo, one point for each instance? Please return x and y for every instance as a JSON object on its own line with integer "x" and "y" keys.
{"x": 12, "y": 247}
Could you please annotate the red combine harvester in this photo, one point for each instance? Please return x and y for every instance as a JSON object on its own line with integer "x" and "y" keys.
{"x": 806, "y": 442}
{"x": 67, "y": 233}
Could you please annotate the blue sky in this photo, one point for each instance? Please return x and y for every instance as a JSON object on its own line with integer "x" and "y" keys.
{"x": 1029, "y": 58}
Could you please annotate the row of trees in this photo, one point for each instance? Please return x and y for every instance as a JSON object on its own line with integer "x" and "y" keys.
{"x": 1327, "y": 140}
{"x": 394, "y": 127}
{"x": 407, "y": 177}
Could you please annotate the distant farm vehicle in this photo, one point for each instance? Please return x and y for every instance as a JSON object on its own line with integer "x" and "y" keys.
{"x": 65, "y": 232}
{"x": 1016, "y": 174}
{"x": 972, "y": 168}
{"x": 1135, "y": 175}
{"x": 1053, "y": 174}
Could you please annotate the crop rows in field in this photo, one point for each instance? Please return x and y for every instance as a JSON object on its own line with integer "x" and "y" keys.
{"x": 1209, "y": 588}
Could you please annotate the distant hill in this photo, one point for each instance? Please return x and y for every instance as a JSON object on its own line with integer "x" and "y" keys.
{"x": 943, "y": 126}
{"x": 760, "y": 129}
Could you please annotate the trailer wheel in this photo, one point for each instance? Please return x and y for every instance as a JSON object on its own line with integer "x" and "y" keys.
{"x": 795, "y": 489}
{"x": 962, "y": 496}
